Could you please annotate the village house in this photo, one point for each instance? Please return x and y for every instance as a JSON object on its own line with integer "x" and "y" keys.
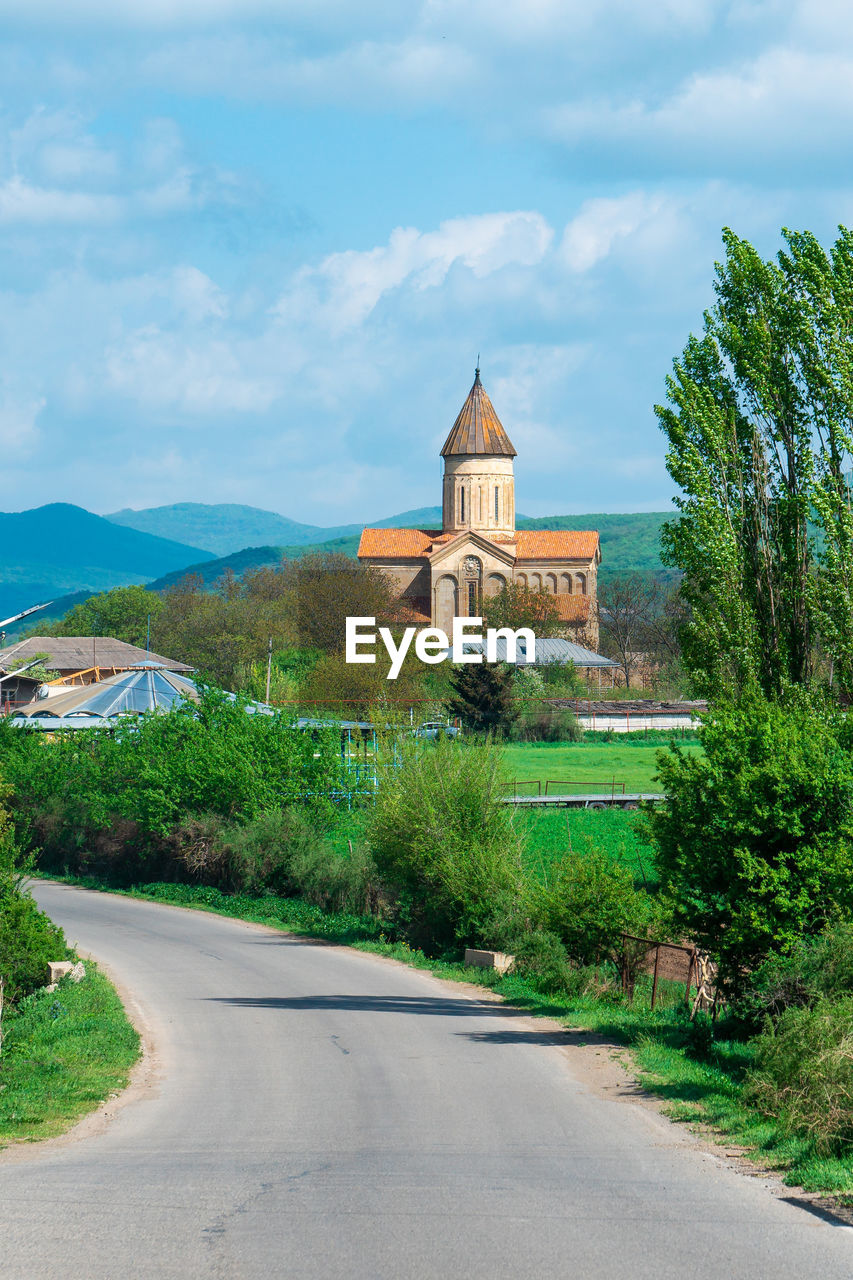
{"x": 444, "y": 573}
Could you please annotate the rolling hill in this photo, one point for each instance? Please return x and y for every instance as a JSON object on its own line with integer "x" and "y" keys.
{"x": 60, "y": 548}
{"x": 64, "y": 553}
{"x": 629, "y": 541}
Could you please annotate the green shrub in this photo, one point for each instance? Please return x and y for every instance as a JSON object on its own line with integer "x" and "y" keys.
{"x": 543, "y": 724}
{"x": 814, "y": 968}
{"x": 540, "y": 956}
{"x": 754, "y": 845}
{"x": 143, "y": 779}
{"x": 278, "y": 851}
{"x": 444, "y": 844}
{"x": 588, "y": 901}
{"x": 803, "y": 1073}
{"x": 28, "y": 939}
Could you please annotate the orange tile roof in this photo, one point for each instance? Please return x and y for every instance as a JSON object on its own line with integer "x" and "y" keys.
{"x": 528, "y": 544}
{"x": 556, "y": 544}
{"x": 478, "y": 428}
{"x": 399, "y": 544}
{"x": 572, "y": 608}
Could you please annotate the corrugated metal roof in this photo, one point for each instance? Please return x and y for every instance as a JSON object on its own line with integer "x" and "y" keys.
{"x": 553, "y": 649}
{"x": 556, "y": 544}
{"x": 478, "y": 428}
{"x": 78, "y": 653}
{"x": 149, "y": 688}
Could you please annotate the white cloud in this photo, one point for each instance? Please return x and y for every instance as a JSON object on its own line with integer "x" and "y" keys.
{"x": 160, "y": 369}
{"x": 58, "y": 174}
{"x": 346, "y": 287}
{"x": 37, "y": 206}
{"x": 591, "y": 235}
{"x": 783, "y": 106}
{"x": 18, "y": 423}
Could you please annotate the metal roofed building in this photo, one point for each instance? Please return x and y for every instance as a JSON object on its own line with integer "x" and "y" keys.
{"x": 549, "y": 650}
{"x": 71, "y": 654}
{"x": 444, "y": 573}
{"x": 149, "y": 687}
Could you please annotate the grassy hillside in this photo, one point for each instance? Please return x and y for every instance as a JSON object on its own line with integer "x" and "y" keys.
{"x": 211, "y": 571}
{"x": 56, "y": 549}
{"x": 628, "y": 540}
{"x": 632, "y": 547}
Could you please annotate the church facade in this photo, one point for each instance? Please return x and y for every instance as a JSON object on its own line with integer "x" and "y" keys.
{"x": 444, "y": 573}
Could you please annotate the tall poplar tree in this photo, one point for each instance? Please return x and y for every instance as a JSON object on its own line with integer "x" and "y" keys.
{"x": 760, "y": 431}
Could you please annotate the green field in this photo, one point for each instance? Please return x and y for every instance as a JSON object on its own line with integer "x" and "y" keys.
{"x": 595, "y": 764}
{"x": 549, "y": 833}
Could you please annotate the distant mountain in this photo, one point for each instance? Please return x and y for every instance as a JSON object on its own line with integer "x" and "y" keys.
{"x": 211, "y": 571}
{"x": 220, "y": 528}
{"x": 629, "y": 541}
{"x": 64, "y": 553}
{"x": 225, "y": 527}
{"x": 56, "y": 549}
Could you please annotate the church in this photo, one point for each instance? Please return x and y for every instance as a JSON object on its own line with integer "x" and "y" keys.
{"x": 444, "y": 573}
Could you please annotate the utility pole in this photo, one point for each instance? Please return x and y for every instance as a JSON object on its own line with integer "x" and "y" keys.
{"x": 269, "y": 670}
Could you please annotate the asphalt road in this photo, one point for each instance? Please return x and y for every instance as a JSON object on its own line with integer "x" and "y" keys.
{"x": 319, "y": 1113}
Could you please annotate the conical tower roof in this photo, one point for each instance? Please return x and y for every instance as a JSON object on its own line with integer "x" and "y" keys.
{"x": 478, "y": 428}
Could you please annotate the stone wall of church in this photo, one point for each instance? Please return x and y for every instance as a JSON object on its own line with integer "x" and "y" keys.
{"x": 409, "y": 578}
{"x": 478, "y": 494}
{"x": 462, "y": 580}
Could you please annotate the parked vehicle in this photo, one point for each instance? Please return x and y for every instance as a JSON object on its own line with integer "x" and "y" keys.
{"x": 433, "y": 729}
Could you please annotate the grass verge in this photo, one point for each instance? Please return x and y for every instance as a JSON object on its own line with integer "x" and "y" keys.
{"x": 699, "y": 1080}
{"x": 64, "y": 1052}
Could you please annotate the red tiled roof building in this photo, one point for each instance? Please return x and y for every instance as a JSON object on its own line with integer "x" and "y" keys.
{"x": 445, "y": 573}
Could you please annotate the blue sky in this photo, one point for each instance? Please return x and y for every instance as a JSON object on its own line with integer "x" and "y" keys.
{"x": 250, "y": 250}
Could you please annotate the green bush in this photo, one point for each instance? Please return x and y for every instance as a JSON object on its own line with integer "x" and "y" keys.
{"x": 543, "y": 724}
{"x": 803, "y": 1073}
{"x": 540, "y": 956}
{"x": 109, "y": 801}
{"x": 813, "y": 969}
{"x": 754, "y": 845}
{"x": 278, "y": 851}
{"x": 588, "y": 901}
{"x": 444, "y": 844}
{"x": 28, "y": 939}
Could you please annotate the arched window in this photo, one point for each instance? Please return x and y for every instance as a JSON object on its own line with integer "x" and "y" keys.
{"x": 461, "y": 506}
{"x": 566, "y": 582}
{"x": 497, "y": 502}
{"x": 551, "y": 583}
{"x": 580, "y": 578}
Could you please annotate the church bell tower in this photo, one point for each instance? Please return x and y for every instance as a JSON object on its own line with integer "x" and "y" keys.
{"x": 479, "y": 484}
